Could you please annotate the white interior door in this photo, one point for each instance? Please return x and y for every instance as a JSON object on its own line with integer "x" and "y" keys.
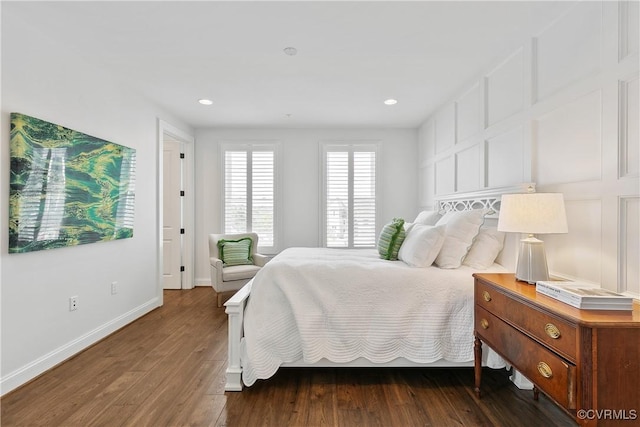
{"x": 172, "y": 208}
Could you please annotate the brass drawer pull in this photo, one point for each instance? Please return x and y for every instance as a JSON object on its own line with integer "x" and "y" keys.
{"x": 486, "y": 296}
{"x": 484, "y": 323}
{"x": 545, "y": 370}
{"x": 552, "y": 330}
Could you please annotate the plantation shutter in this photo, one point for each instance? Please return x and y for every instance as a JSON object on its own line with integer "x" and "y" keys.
{"x": 235, "y": 192}
{"x": 337, "y": 210}
{"x": 262, "y": 196}
{"x": 364, "y": 199}
{"x": 249, "y": 193}
{"x": 350, "y": 198}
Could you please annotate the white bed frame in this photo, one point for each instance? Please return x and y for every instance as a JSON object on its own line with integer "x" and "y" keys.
{"x": 489, "y": 199}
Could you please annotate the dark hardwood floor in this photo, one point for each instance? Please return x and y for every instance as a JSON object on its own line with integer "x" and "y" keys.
{"x": 168, "y": 369}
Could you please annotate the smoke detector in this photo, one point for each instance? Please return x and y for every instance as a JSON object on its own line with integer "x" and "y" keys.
{"x": 291, "y": 51}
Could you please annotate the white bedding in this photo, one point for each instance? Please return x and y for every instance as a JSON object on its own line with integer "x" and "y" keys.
{"x": 313, "y": 303}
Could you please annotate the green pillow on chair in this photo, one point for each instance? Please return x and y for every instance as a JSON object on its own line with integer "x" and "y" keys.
{"x": 235, "y": 252}
{"x": 391, "y": 238}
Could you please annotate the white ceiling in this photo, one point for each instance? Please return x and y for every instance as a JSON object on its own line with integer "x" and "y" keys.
{"x": 351, "y": 55}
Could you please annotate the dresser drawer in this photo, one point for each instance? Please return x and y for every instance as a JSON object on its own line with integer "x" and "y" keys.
{"x": 551, "y": 373}
{"x": 555, "y": 333}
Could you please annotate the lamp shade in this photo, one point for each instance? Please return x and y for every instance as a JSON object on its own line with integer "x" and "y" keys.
{"x": 533, "y": 213}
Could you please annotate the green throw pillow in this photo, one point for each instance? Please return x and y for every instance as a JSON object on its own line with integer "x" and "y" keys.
{"x": 235, "y": 252}
{"x": 391, "y": 238}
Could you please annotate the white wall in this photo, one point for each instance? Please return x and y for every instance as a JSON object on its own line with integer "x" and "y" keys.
{"x": 45, "y": 80}
{"x": 301, "y": 180}
{"x": 562, "y": 111}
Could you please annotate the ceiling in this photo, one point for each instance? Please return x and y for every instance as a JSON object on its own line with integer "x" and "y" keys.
{"x": 351, "y": 55}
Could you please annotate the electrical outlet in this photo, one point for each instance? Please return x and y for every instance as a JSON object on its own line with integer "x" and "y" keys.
{"x": 73, "y": 303}
{"x": 114, "y": 288}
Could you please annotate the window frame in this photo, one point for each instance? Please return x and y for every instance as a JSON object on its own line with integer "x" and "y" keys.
{"x": 350, "y": 147}
{"x": 253, "y": 146}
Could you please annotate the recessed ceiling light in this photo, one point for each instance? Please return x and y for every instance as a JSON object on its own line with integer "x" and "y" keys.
{"x": 205, "y": 101}
{"x": 390, "y": 101}
{"x": 291, "y": 51}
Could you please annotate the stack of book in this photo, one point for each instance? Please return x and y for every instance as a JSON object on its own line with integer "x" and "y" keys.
{"x": 584, "y": 295}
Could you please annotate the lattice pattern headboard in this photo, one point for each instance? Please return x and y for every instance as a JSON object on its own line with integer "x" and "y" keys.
{"x": 489, "y": 199}
{"x": 483, "y": 199}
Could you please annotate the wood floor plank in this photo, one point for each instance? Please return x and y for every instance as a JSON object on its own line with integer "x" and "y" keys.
{"x": 439, "y": 410}
{"x": 402, "y": 402}
{"x": 92, "y": 410}
{"x": 296, "y": 400}
{"x": 205, "y": 410}
{"x": 457, "y": 399}
{"x": 322, "y": 401}
{"x": 168, "y": 369}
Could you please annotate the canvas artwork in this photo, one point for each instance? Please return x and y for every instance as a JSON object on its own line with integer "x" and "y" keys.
{"x": 67, "y": 188}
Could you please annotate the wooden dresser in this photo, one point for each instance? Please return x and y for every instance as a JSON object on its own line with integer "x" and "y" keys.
{"x": 587, "y": 361}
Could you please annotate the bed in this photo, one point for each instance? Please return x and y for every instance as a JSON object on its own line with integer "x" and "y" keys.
{"x": 349, "y": 307}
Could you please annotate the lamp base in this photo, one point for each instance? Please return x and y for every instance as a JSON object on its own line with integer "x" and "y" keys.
{"x": 532, "y": 261}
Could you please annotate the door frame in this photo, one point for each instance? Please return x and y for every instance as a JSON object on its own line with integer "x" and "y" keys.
{"x": 188, "y": 211}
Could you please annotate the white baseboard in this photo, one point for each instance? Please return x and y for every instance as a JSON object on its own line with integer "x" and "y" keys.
{"x": 31, "y": 370}
{"x": 203, "y": 281}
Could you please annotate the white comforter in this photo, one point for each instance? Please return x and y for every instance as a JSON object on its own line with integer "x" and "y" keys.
{"x": 313, "y": 303}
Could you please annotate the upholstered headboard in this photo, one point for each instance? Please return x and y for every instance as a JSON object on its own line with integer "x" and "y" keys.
{"x": 488, "y": 199}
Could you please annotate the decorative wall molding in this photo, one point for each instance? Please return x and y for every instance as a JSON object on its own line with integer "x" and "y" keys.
{"x": 504, "y": 89}
{"x": 427, "y": 148}
{"x": 445, "y": 175}
{"x": 428, "y": 190}
{"x": 504, "y": 160}
{"x": 629, "y": 119}
{"x": 574, "y": 134}
{"x": 568, "y": 50}
{"x": 629, "y": 249}
{"x": 445, "y": 129}
{"x": 628, "y": 23}
{"x": 569, "y": 139}
{"x": 468, "y": 113}
{"x": 579, "y": 253}
{"x": 468, "y": 176}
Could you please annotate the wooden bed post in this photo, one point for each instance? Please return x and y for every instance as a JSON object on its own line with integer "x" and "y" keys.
{"x": 235, "y": 311}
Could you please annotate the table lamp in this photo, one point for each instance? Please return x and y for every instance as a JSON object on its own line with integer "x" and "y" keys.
{"x": 532, "y": 213}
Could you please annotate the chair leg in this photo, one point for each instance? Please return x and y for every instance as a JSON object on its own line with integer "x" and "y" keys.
{"x": 219, "y": 298}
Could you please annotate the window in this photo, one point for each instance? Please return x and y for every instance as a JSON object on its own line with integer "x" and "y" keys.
{"x": 249, "y": 188}
{"x": 349, "y": 195}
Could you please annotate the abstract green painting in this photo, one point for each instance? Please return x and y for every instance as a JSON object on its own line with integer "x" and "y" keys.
{"x": 67, "y": 188}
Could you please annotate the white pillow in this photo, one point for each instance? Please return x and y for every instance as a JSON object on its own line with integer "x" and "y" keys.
{"x": 427, "y": 217}
{"x": 485, "y": 248}
{"x": 462, "y": 228}
{"x": 422, "y": 244}
{"x": 407, "y": 227}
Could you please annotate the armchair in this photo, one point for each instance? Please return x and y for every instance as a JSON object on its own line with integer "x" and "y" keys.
{"x": 226, "y": 279}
